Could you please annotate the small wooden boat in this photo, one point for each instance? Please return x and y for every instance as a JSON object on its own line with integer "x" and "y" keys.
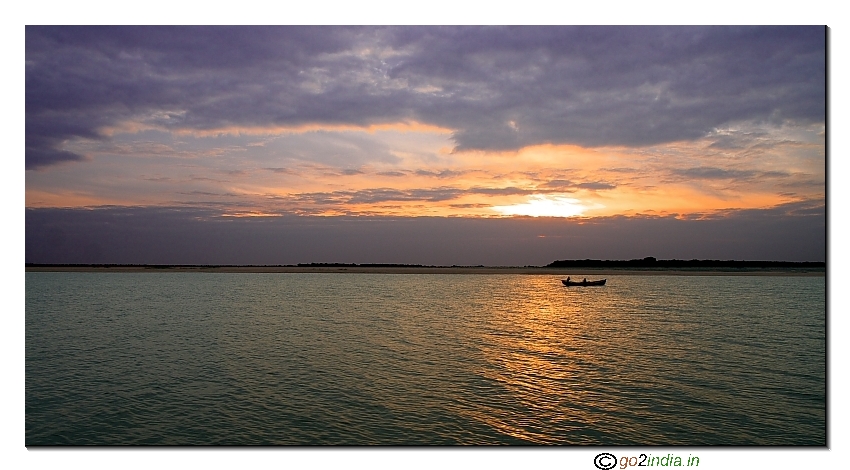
{"x": 568, "y": 282}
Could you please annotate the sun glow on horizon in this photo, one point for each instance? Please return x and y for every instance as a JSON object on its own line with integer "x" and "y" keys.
{"x": 540, "y": 205}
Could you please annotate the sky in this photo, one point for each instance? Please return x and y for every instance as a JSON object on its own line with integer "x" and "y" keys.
{"x": 424, "y": 145}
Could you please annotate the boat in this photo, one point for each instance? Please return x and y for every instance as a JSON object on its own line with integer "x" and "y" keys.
{"x": 568, "y": 282}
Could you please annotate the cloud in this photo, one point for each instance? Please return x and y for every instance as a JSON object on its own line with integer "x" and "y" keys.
{"x": 596, "y": 186}
{"x": 340, "y": 149}
{"x": 378, "y": 195}
{"x": 707, "y": 173}
{"x": 497, "y": 88}
{"x": 567, "y": 185}
{"x": 44, "y": 154}
{"x": 710, "y": 173}
{"x": 508, "y": 191}
{"x": 441, "y": 174}
{"x": 207, "y": 193}
{"x": 281, "y": 170}
{"x": 381, "y": 195}
{"x": 559, "y": 184}
{"x": 734, "y": 141}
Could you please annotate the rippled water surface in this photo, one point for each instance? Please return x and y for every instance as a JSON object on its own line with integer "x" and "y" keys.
{"x": 202, "y": 358}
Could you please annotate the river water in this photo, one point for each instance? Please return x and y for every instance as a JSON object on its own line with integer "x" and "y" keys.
{"x": 434, "y": 359}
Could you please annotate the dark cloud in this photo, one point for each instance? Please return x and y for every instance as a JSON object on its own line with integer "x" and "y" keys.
{"x": 795, "y": 232}
{"x": 632, "y": 86}
{"x": 805, "y": 208}
{"x": 378, "y": 195}
{"x": 775, "y": 174}
{"x": 440, "y": 174}
{"x": 285, "y": 171}
{"x": 559, "y": 184}
{"x": 509, "y": 191}
{"x": 337, "y": 199}
{"x": 749, "y": 141}
{"x": 44, "y": 154}
{"x": 566, "y": 185}
{"x": 369, "y": 196}
{"x": 707, "y": 173}
{"x": 596, "y": 186}
{"x": 734, "y": 141}
{"x": 499, "y": 88}
{"x": 206, "y": 193}
{"x": 710, "y": 173}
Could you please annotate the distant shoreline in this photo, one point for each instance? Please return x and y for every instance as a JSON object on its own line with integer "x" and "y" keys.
{"x": 572, "y": 271}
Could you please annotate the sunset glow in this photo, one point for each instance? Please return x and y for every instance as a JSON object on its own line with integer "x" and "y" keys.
{"x": 544, "y": 206}
{"x": 417, "y": 174}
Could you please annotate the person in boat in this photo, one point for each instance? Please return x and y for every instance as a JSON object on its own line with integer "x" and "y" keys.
{"x": 584, "y": 280}
{"x": 568, "y": 278}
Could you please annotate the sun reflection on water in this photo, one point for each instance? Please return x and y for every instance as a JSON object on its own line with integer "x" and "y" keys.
{"x": 551, "y": 339}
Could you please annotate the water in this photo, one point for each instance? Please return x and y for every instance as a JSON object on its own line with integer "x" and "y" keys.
{"x": 202, "y": 358}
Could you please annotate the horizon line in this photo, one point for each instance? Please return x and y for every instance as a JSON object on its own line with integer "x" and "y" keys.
{"x": 648, "y": 262}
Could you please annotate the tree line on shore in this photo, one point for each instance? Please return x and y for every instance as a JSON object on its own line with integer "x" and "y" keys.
{"x": 651, "y": 262}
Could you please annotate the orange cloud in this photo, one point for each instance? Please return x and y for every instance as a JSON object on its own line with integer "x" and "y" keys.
{"x": 427, "y": 179}
{"x": 69, "y": 199}
{"x": 132, "y": 127}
